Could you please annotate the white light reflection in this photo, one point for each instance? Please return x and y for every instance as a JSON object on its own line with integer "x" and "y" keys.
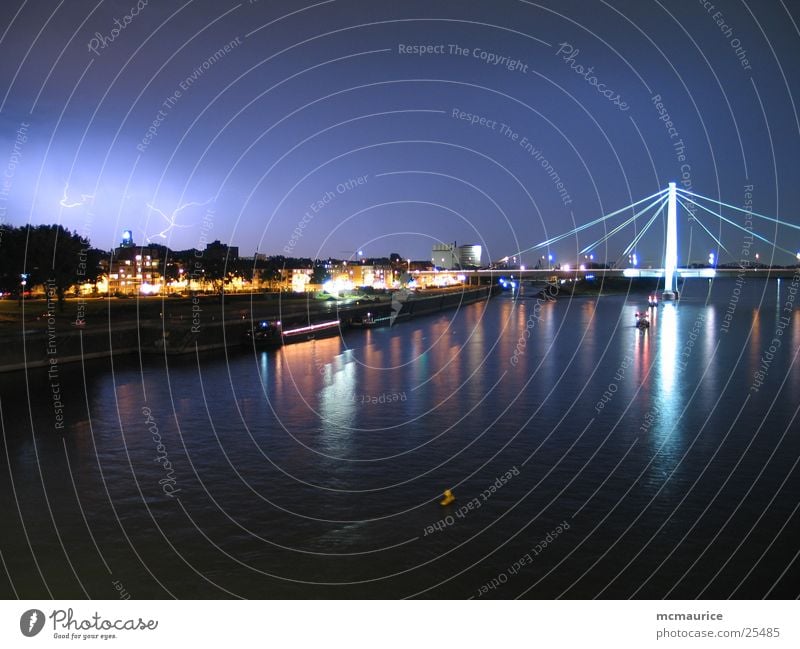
{"x": 667, "y": 351}
{"x": 337, "y": 403}
{"x": 710, "y": 342}
{"x": 662, "y": 423}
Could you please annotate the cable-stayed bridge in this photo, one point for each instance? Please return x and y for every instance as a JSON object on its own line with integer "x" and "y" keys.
{"x": 652, "y": 209}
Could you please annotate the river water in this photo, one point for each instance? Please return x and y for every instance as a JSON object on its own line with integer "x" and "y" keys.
{"x": 587, "y": 458}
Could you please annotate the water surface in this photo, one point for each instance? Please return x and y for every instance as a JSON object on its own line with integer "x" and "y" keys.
{"x": 315, "y": 470}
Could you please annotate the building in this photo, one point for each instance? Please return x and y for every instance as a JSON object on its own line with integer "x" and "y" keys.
{"x": 296, "y": 280}
{"x": 469, "y": 256}
{"x": 443, "y": 255}
{"x": 419, "y": 265}
{"x": 127, "y": 239}
{"x": 134, "y": 274}
{"x": 134, "y": 270}
{"x": 376, "y": 275}
{"x": 447, "y": 255}
{"x": 221, "y": 251}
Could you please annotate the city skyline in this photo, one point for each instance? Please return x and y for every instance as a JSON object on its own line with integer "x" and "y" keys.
{"x": 331, "y": 300}
{"x": 481, "y": 128}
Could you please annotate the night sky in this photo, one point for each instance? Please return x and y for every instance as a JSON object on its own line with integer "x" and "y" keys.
{"x": 265, "y": 115}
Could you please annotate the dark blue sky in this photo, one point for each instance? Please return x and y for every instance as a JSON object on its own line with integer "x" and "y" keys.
{"x": 303, "y": 102}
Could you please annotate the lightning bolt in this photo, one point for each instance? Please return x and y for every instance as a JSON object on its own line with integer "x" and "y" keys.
{"x": 172, "y": 218}
{"x": 64, "y": 202}
{"x": 32, "y": 621}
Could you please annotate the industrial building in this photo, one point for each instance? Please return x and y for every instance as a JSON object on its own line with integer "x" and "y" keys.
{"x": 450, "y": 256}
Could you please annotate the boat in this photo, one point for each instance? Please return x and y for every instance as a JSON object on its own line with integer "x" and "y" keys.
{"x": 264, "y": 334}
{"x": 275, "y": 334}
{"x": 310, "y": 332}
{"x": 369, "y": 320}
{"x": 268, "y": 333}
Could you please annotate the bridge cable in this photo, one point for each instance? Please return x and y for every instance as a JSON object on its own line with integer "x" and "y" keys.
{"x": 587, "y": 225}
{"x": 548, "y": 242}
{"x": 610, "y": 234}
{"x": 739, "y": 209}
{"x": 639, "y": 236}
{"x": 743, "y": 229}
{"x": 708, "y": 232}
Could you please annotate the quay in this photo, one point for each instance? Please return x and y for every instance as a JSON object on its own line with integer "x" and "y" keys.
{"x": 169, "y": 326}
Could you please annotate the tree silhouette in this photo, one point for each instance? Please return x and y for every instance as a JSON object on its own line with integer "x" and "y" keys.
{"x": 47, "y": 254}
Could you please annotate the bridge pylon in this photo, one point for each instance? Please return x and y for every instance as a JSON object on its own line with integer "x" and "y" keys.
{"x": 671, "y": 252}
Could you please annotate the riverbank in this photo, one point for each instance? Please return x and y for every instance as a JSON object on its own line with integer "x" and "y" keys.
{"x": 597, "y": 287}
{"x": 168, "y": 326}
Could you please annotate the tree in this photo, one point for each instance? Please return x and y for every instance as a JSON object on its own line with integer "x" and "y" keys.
{"x": 47, "y": 254}
{"x": 214, "y": 271}
{"x": 12, "y": 250}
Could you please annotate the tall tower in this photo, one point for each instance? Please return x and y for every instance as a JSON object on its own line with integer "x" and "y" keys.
{"x": 127, "y": 239}
{"x": 671, "y": 252}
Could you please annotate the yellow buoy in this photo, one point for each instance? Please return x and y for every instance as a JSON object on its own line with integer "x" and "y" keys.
{"x": 448, "y": 498}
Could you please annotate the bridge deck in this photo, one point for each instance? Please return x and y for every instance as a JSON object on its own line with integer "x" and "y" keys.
{"x": 544, "y": 274}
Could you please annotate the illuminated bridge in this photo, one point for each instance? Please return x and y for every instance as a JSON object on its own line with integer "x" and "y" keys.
{"x": 654, "y": 207}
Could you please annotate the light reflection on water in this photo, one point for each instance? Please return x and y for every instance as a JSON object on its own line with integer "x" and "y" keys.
{"x": 337, "y": 404}
{"x": 304, "y": 443}
{"x": 667, "y": 354}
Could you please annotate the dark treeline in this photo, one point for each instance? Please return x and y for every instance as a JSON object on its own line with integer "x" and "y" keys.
{"x": 46, "y": 254}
